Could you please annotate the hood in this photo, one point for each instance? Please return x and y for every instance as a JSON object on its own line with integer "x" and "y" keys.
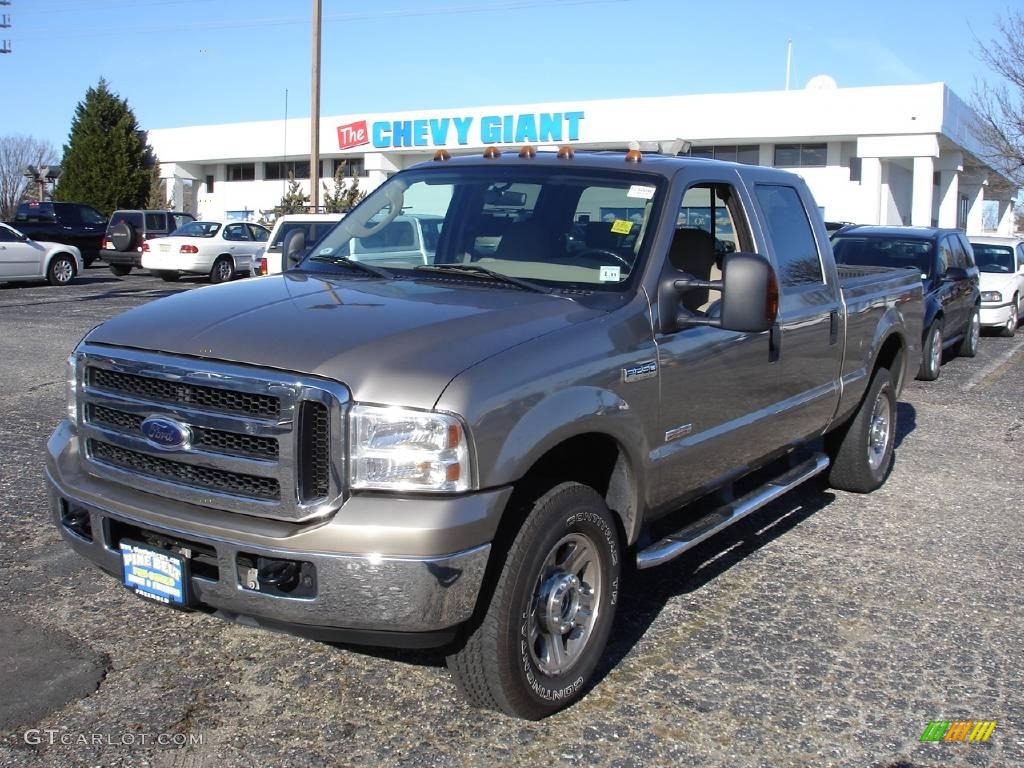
{"x": 396, "y": 342}
{"x": 998, "y": 281}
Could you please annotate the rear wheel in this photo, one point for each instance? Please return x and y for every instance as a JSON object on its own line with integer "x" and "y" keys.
{"x": 168, "y": 275}
{"x": 1010, "y": 329}
{"x": 549, "y": 617}
{"x": 223, "y": 270}
{"x": 61, "y": 270}
{"x": 969, "y": 343}
{"x": 862, "y": 450}
{"x": 931, "y": 356}
{"x": 120, "y": 269}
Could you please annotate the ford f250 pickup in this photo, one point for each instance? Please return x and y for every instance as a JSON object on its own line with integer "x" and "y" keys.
{"x": 462, "y": 454}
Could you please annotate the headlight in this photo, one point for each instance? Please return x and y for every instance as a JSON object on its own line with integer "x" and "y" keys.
{"x": 396, "y": 449}
{"x": 991, "y": 296}
{"x": 71, "y": 387}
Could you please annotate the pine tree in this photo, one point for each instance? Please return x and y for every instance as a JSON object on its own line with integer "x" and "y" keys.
{"x": 107, "y": 161}
{"x": 345, "y": 196}
{"x": 294, "y": 200}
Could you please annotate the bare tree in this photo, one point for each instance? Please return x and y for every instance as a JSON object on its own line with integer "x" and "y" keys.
{"x": 16, "y": 153}
{"x": 1000, "y": 106}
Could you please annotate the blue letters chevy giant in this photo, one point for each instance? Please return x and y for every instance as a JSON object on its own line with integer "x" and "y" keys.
{"x": 524, "y": 128}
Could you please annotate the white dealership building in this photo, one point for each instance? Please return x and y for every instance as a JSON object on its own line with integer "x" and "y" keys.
{"x": 878, "y": 155}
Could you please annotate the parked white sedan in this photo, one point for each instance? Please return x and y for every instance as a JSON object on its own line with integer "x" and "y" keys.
{"x": 220, "y": 249}
{"x": 1000, "y": 261}
{"x": 22, "y": 258}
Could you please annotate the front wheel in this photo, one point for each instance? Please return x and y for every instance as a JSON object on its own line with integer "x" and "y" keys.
{"x": 1010, "y": 329}
{"x": 545, "y": 628}
{"x": 223, "y": 270}
{"x": 931, "y": 359}
{"x": 862, "y": 450}
{"x": 61, "y": 270}
{"x": 969, "y": 343}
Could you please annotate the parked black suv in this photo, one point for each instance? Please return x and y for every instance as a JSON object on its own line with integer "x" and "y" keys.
{"x": 128, "y": 230}
{"x": 69, "y": 223}
{"x": 952, "y": 298}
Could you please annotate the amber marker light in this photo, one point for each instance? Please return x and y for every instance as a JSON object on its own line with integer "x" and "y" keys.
{"x": 634, "y": 156}
{"x": 565, "y": 153}
{"x": 441, "y": 155}
{"x": 492, "y": 153}
{"x": 527, "y": 152}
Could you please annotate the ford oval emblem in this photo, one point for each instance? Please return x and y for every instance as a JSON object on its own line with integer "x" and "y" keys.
{"x": 166, "y": 433}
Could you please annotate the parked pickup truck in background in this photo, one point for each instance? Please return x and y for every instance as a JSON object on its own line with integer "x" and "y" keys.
{"x": 71, "y": 223}
{"x": 463, "y": 453}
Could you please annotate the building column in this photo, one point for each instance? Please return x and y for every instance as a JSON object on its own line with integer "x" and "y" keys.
{"x": 921, "y": 205}
{"x": 949, "y": 198}
{"x": 871, "y": 186}
{"x": 1005, "y": 225}
{"x": 975, "y": 209}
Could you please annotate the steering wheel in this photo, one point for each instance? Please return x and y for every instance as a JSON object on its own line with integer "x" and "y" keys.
{"x": 601, "y": 254}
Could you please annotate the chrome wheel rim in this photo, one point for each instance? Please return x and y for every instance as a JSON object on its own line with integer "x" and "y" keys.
{"x": 63, "y": 271}
{"x": 224, "y": 270}
{"x": 566, "y": 600}
{"x": 936, "y": 351}
{"x": 879, "y": 431}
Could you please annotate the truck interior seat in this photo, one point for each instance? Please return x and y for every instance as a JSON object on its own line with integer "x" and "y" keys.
{"x": 693, "y": 251}
{"x": 525, "y": 241}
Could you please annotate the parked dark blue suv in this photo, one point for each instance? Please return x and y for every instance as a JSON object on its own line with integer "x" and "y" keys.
{"x": 952, "y": 298}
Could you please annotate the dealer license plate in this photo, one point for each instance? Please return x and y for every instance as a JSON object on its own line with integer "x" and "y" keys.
{"x": 165, "y": 247}
{"x": 154, "y": 573}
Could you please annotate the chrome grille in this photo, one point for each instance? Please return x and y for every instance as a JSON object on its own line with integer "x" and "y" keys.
{"x": 262, "y": 442}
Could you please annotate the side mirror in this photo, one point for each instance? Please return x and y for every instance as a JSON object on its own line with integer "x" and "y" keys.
{"x": 293, "y": 249}
{"x": 954, "y": 274}
{"x": 750, "y": 296}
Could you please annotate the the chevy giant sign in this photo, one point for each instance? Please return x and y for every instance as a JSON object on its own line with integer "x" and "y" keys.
{"x": 524, "y": 128}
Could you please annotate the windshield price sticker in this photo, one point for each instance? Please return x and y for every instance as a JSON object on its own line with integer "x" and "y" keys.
{"x": 642, "y": 191}
{"x": 622, "y": 227}
{"x": 610, "y": 274}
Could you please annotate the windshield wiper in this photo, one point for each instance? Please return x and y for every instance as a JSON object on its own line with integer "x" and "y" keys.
{"x": 346, "y": 261}
{"x": 474, "y": 269}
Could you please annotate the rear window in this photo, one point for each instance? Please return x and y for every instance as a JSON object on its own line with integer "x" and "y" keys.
{"x": 134, "y": 218}
{"x": 198, "y": 229}
{"x": 181, "y": 219}
{"x": 156, "y": 222}
{"x": 884, "y": 252}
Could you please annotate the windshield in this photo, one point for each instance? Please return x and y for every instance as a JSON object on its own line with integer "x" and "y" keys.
{"x": 560, "y": 226}
{"x": 993, "y": 258}
{"x": 884, "y": 252}
{"x": 197, "y": 229}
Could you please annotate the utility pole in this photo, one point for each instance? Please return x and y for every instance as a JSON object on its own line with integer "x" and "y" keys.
{"x": 314, "y": 114}
{"x": 789, "y": 60}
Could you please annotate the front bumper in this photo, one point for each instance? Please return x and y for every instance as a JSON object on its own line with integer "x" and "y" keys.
{"x": 995, "y": 314}
{"x": 402, "y": 572}
{"x": 121, "y": 258}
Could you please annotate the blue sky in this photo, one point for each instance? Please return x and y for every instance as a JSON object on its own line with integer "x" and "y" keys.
{"x": 187, "y": 62}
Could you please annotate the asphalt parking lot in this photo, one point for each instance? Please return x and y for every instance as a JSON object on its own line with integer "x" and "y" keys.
{"x": 828, "y": 629}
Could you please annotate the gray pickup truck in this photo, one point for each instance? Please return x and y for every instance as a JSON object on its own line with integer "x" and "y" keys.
{"x": 464, "y": 454}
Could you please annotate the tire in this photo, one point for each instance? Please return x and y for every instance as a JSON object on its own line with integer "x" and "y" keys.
{"x": 862, "y": 450}
{"x": 61, "y": 270}
{"x": 931, "y": 356}
{"x": 123, "y": 236}
{"x": 87, "y": 261}
{"x": 498, "y": 667}
{"x": 1009, "y": 330}
{"x": 168, "y": 275}
{"x": 968, "y": 346}
{"x": 120, "y": 270}
{"x": 223, "y": 270}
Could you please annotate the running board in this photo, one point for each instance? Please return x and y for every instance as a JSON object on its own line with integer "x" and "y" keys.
{"x": 674, "y": 545}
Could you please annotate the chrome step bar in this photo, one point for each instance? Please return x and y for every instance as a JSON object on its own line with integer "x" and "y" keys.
{"x": 674, "y": 545}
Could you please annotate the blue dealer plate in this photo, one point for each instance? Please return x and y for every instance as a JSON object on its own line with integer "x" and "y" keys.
{"x": 155, "y": 574}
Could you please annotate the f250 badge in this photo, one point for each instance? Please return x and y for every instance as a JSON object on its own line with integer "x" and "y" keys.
{"x": 645, "y": 370}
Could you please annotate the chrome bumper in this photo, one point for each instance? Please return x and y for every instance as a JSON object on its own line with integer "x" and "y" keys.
{"x": 366, "y": 590}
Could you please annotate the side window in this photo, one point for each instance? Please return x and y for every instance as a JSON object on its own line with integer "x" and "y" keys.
{"x": 6, "y": 236}
{"x": 965, "y": 244}
{"x": 236, "y": 232}
{"x": 946, "y": 259}
{"x": 790, "y": 230}
{"x": 259, "y": 234}
{"x": 156, "y": 222}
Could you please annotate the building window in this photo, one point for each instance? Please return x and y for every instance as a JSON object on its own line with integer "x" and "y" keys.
{"x": 242, "y": 172}
{"x": 748, "y": 154}
{"x": 280, "y": 170}
{"x": 855, "y": 167}
{"x": 350, "y": 166}
{"x": 800, "y": 155}
{"x": 209, "y": 185}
